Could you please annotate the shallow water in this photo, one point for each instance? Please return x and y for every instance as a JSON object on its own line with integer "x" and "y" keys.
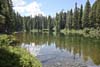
{"x": 62, "y": 50}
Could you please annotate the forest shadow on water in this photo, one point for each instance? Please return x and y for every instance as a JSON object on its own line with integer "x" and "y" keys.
{"x": 62, "y": 50}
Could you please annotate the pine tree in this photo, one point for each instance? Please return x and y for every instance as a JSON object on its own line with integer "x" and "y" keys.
{"x": 49, "y": 23}
{"x": 70, "y": 19}
{"x": 98, "y": 13}
{"x": 76, "y": 17}
{"x": 80, "y": 17}
{"x": 0, "y": 6}
{"x": 86, "y": 21}
{"x": 57, "y": 23}
{"x": 93, "y": 23}
{"x": 67, "y": 19}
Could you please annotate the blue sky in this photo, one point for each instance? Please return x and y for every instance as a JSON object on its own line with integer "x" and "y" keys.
{"x": 52, "y": 6}
{"x": 46, "y": 7}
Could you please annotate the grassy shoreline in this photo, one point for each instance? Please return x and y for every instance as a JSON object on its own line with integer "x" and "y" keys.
{"x": 85, "y": 32}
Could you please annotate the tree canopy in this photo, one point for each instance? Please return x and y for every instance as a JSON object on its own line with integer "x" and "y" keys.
{"x": 79, "y": 18}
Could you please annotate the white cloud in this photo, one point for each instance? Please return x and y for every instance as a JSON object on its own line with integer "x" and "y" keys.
{"x": 22, "y": 7}
{"x": 17, "y": 3}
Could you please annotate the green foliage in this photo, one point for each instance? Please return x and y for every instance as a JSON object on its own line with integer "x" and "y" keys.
{"x": 98, "y": 13}
{"x": 17, "y": 57}
{"x": 14, "y": 56}
{"x": 76, "y": 17}
{"x": 7, "y": 39}
{"x": 4, "y": 39}
{"x": 2, "y": 22}
{"x": 49, "y": 23}
{"x": 57, "y": 23}
{"x": 86, "y": 21}
{"x": 69, "y": 20}
{"x": 6, "y": 10}
{"x": 91, "y": 33}
{"x": 2, "y": 18}
{"x": 80, "y": 17}
{"x": 93, "y": 16}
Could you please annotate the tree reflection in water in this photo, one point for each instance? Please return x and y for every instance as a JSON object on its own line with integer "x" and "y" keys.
{"x": 83, "y": 47}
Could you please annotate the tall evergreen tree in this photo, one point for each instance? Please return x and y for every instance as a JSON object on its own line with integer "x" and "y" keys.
{"x": 49, "y": 23}
{"x": 86, "y": 21}
{"x": 57, "y": 23}
{"x": 67, "y": 19}
{"x": 62, "y": 15}
{"x": 76, "y": 17}
{"x": 0, "y": 6}
{"x": 93, "y": 23}
{"x": 98, "y": 13}
{"x": 70, "y": 19}
{"x": 80, "y": 17}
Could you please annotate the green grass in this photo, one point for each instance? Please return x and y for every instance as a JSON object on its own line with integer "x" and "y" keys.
{"x": 34, "y": 30}
{"x": 71, "y": 31}
{"x": 43, "y": 30}
{"x": 85, "y": 32}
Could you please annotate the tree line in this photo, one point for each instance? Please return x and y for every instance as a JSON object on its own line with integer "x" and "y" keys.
{"x": 78, "y": 19}
{"x": 9, "y": 20}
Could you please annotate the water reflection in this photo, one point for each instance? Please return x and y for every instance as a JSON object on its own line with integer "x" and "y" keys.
{"x": 75, "y": 46}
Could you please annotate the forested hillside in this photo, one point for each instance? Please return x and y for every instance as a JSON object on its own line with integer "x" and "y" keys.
{"x": 78, "y": 19}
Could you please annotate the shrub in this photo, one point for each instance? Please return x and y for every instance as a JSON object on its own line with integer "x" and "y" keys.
{"x": 8, "y": 40}
{"x": 17, "y": 57}
{"x": 14, "y": 56}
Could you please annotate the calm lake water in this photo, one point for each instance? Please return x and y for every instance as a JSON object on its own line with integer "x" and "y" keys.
{"x": 62, "y": 50}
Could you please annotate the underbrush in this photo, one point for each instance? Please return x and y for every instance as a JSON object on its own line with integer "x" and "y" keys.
{"x": 15, "y": 56}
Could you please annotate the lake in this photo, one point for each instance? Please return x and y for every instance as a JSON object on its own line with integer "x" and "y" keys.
{"x": 61, "y": 50}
